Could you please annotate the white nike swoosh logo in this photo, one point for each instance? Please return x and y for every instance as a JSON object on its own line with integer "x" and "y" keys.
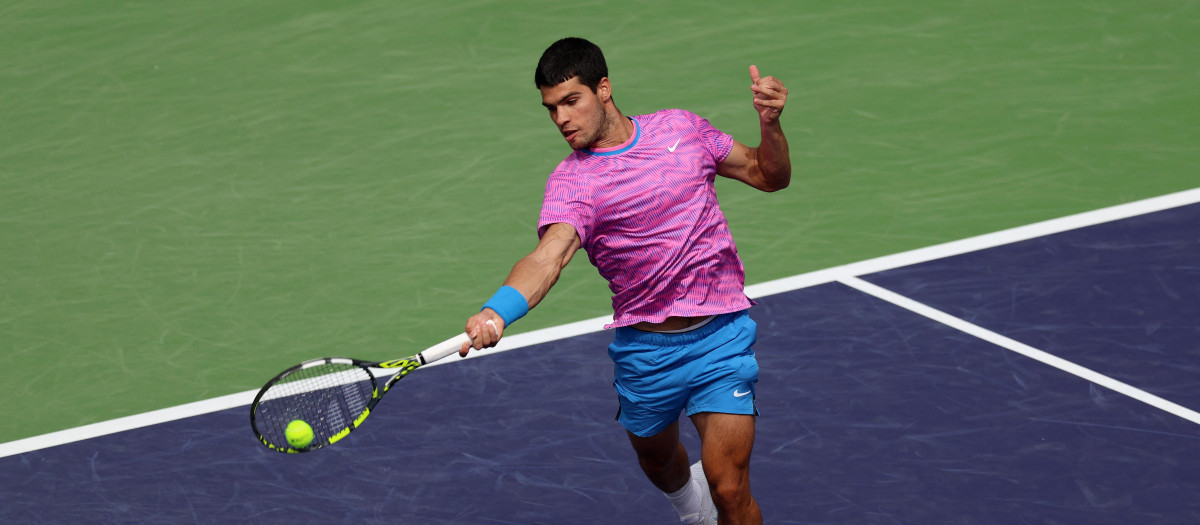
{"x": 739, "y": 394}
{"x": 675, "y": 145}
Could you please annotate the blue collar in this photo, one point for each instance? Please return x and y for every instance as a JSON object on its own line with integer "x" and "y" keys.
{"x": 637, "y": 133}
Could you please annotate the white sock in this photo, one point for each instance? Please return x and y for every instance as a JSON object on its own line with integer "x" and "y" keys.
{"x": 687, "y": 500}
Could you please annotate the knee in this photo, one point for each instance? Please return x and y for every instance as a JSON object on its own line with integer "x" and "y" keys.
{"x": 730, "y": 492}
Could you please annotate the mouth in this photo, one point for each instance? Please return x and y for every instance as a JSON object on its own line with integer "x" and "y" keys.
{"x": 569, "y": 134}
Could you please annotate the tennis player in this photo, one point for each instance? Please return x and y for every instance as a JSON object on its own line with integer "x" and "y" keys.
{"x": 637, "y": 193}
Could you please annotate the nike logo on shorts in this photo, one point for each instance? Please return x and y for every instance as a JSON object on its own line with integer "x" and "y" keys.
{"x": 737, "y": 393}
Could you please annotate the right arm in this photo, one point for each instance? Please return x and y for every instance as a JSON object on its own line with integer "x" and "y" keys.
{"x": 533, "y": 276}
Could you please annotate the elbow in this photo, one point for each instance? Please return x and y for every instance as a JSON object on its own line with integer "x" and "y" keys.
{"x": 772, "y": 185}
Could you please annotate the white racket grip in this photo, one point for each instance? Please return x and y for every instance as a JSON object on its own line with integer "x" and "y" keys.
{"x": 443, "y": 349}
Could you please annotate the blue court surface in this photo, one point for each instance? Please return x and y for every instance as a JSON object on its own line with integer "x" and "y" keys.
{"x": 871, "y": 413}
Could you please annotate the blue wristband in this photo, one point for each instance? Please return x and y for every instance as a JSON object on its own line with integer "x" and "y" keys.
{"x": 509, "y": 304}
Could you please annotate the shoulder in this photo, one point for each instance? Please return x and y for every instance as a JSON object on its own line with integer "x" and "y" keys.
{"x": 667, "y": 116}
{"x": 672, "y": 122}
{"x": 681, "y": 119}
{"x": 570, "y": 179}
{"x": 568, "y": 168}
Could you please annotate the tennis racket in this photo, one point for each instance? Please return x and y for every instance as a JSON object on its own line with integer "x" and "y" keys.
{"x": 332, "y": 395}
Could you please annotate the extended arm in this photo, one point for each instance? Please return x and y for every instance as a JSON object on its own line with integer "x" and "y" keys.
{"x": 533, "y": 276}
{"x": 769, "y": 166}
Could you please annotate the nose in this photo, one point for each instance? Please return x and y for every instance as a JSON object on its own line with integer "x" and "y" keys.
{"x": 560, "y": 117}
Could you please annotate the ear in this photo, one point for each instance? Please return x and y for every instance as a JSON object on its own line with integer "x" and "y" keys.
{"x": 604, "y": 90}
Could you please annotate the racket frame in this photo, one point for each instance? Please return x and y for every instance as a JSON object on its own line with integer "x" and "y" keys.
{"x": 401, "y": 366}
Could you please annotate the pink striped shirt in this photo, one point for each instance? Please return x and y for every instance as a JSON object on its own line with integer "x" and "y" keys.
{"x": 647, "y": 215}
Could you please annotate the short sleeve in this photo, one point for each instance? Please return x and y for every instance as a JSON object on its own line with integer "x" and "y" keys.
{"x": 567, "y": 200}
{"x": 717, "y": 142}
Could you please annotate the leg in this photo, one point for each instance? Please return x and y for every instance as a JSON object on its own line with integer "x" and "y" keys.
{"x": 727, "y": 440}
{"x": 663, "y": 458}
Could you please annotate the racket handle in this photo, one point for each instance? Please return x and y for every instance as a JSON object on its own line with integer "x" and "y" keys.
{"x": 443, "y": 349}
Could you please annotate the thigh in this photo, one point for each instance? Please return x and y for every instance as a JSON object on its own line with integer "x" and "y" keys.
{"x": 726, "y": 443}
{"x": 659, "y": 446}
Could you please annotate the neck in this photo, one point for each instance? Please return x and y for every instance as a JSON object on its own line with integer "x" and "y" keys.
{"x": 617, "y": 129}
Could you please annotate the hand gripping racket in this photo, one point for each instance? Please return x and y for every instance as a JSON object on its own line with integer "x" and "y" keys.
{"x": 333, "y": 395}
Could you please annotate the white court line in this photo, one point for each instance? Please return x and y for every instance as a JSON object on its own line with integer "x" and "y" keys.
{"x": 1019, "y": 347}
{"x": 788, "y": 284}
{"x": 240, "y": 399}
{"x": 982, "y": 242}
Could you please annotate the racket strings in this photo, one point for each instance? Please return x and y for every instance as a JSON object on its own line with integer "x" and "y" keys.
{"x": 328, "y": 396}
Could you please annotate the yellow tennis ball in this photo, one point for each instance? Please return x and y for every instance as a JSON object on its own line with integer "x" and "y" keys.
{"x": 299, "y": 434}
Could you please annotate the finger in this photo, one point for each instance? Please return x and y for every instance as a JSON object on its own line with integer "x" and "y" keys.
{"x": 754, "y": 73}
{"x": 769, "y": 108}
{"x": 761, "y": 103}
{"x": 466, "y": 347}
{"x": 489, "y": 333}
{"x": 473, "y": 333}
{"x": 768, "y": 85}
{"x": 768, "y": 103}
{"x": 768, "y": 98}
{"x": 764, "y": 98}
{"x": 480, "y": 339}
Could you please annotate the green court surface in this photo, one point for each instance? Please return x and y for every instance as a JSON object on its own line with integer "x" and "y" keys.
{"x": 195, "y": 195}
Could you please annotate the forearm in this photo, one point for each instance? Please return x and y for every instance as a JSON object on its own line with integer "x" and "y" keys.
{"x": 772, "y": 157}
{"x": 533, "y": 276}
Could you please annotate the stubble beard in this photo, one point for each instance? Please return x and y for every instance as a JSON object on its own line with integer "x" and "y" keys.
{"x": 603, "y": 131}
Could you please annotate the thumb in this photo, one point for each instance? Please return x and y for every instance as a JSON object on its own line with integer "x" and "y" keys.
{"x": 754, "y": 73}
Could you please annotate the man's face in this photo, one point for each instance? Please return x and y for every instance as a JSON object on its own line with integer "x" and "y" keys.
{"x": 578, "y": 113}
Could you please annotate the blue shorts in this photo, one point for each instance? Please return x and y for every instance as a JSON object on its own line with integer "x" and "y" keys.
{"x": 709, "y": 369}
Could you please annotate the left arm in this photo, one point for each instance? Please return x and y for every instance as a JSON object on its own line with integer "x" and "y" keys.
{"x": 769, "y": 166}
